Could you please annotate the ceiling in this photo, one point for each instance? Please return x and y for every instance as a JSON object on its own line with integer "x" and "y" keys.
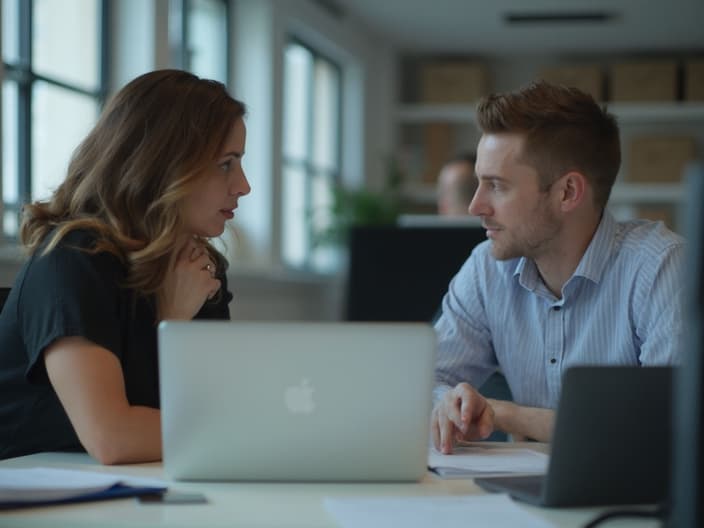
{"x": 478, "y": 26}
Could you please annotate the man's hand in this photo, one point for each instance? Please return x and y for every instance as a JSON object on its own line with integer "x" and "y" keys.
{"x": 461, "y": 414}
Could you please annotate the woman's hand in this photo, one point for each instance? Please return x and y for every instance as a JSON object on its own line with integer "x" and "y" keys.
{"x": 190, "y": 281}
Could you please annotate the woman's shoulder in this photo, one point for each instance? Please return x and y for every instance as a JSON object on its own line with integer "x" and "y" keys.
{"x": 78, "y": 248}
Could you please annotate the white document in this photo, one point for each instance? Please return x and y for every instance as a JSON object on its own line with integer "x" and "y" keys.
{"x": 474, "y": 511}
{"x": 48, "y": 484}
{"x": 481, "y": 461}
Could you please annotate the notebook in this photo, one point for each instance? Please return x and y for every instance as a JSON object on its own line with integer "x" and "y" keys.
{"x": 611, "y": 442}
{"x": 295, "y": 401}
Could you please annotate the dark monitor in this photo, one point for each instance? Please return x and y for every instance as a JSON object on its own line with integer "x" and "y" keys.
{"x": 687, "y": 489}
{"x": 399, "y": 273}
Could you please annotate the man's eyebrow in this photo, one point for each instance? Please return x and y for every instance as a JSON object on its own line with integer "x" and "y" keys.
{"x": 491, "y": 178}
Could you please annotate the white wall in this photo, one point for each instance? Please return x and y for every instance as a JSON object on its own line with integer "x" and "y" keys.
{"x": 139, "y": 39}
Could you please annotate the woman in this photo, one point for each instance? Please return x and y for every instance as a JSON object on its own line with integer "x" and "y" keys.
{"x": 121, "y": 245}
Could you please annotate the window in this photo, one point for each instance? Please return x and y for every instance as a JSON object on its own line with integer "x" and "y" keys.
{"x": 53, "y": 88}
{"x": 311, "y": 152}
{"x": 199, "y": 37}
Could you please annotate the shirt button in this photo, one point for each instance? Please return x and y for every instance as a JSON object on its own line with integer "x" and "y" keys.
{"x": 553, "y": 360}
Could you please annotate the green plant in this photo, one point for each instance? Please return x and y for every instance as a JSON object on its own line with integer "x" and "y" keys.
{"x": 360, "y": 207}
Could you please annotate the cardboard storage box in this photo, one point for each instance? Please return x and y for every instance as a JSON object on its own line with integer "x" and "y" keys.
{"x": 453, "y": 82}
{"x": 644, "y": 81}
{"x": 659, "y": 158}
{"x": 663, "y": 213}
{"x": 694, "y": 80}
{"x": 438, "y": 140}
{"x": 588, "y": 78}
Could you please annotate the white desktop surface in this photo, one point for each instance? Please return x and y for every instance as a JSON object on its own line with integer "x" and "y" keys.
{"x": 247, "y": 504}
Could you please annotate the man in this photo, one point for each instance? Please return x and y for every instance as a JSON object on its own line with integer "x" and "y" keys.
{"x": 558, "y": 282}
{"x": 456, "y": 185}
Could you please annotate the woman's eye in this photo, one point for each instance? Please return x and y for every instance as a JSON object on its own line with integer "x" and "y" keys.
{"x": 225, "y": 165}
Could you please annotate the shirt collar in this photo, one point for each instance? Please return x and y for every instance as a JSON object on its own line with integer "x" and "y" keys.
{"x": 595, "y": 258}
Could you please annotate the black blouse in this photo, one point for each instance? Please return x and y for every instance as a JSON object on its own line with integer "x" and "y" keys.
{"x": 69, "y": 292}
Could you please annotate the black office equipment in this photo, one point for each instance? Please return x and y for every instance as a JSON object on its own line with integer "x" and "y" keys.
{"x": 4, "y": 294}
{"x": 687, "y": 490}
{"x": 611, "y": 443}
{"x": 401, "y": 273}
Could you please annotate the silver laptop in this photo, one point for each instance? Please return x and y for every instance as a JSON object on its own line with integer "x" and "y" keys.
{"x": 295, "y": 401}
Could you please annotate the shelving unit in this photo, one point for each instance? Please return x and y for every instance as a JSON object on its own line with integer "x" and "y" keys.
{"x": 627, "y": 113}
{"x": 654, "y": 118}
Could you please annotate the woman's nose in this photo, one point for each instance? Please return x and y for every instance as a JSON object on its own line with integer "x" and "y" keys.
{"x": 240, "y": 185}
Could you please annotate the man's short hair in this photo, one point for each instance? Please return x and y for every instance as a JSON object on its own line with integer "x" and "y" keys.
{"x": 564, "y": 129}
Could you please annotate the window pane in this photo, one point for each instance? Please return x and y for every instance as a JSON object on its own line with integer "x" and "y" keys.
{"x": 66, "y": 40}
{"x": 325, "y": 129}
{"x": 295, "y": 236}
{"x": 298, "y": 63}
{"x": 10, "y": 223}
{"x": 321, "y": 202}
{"x": 10, "y": 26}
{"x": 60, "y": 120}
{"x": 10, "y": 192}
{"x": 207, "y": 39}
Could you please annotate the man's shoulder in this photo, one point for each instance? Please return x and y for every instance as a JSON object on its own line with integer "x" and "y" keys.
{"x": 647, "y": 237}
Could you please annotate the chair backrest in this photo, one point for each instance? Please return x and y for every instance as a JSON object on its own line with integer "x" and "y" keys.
{"x": 4, "y": 292}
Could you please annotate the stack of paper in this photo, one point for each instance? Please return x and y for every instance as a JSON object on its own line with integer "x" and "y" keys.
{"x": 477, "y": 511}
{"x": 39, "y": 485}
{"x": 467, "y": 462}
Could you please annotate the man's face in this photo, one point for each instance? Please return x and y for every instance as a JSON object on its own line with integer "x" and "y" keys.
{"x": 521, "y": 220}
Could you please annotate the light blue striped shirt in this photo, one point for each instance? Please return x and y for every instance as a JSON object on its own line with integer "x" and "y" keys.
{"x": 620, "y": 307}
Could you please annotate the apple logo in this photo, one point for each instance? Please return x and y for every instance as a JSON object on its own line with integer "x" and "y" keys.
{"x": 299, "y": 398}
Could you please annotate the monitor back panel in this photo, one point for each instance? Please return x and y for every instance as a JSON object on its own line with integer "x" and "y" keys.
{"x": 402, "y": 273}
{"x": 612, "y": 437}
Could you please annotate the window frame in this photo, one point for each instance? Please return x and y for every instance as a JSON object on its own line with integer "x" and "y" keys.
{"x": 178, "y": 36}
{"x": 22, "y": 73}
{"x": 306, "y": 165}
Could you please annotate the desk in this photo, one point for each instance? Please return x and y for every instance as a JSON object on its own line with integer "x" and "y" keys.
{"x": 246, "y": 504}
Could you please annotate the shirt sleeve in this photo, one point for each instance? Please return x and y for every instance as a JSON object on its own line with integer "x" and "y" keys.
{"x": 219, "y": 306}
{"x": 465, "y": 351}
{"x": 69, "y": 292}
{"x": 657, "y": 308}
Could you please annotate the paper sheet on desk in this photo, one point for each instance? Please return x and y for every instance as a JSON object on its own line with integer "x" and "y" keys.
{"x": 476, "y": 511}
{"x": 43, "y": 484}
{"x": 481, "y": 461}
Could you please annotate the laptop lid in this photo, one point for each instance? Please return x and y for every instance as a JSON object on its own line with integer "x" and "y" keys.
{"x": 295, "y": 401}
{"x": 611, "y": 442}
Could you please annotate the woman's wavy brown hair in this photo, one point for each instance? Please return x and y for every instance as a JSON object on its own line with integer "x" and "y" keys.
{"x": 127, "y": 180}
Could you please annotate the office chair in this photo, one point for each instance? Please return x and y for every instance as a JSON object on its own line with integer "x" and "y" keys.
{"x": 4, "y": 293}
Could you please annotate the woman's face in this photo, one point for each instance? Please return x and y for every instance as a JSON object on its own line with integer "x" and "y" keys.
{"x": 214, "y": 200}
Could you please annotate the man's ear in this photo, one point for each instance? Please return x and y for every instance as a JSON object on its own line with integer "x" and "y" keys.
{"x": 572, "y": 188}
